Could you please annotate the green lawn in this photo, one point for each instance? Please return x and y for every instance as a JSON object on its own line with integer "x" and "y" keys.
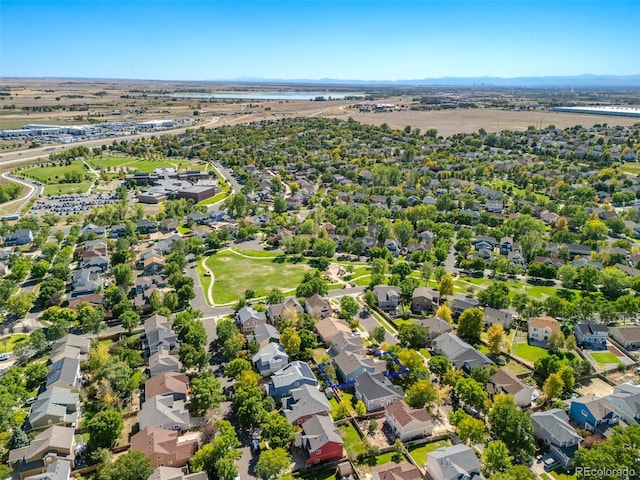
{"x": 605, "y": 357}
{"x": 352, "y": 441}
{"x": 234, "y": 274}
{"x": 419, "y": 452}
{"x": 65, "y": 188}
{"x": 54, "y": 174}
{"x": 529, "y": 352}
{"x": 8, "y": 344}
{"x": 385, "y": 458}
{"x": 559, "y": 475}
{"x": 515, "y": 368}
{"x": 110, "y": 162}
{"x": 631, "y": 167}
{"x": 259, "y": 253}
{"x": 324, "y": 475}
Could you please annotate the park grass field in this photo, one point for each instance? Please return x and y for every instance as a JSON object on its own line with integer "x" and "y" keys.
{"x": 110, "y": 162}
{"x": 8, "y": 344}
{"x": 235, "y": 273}
{"x": 66, "y": 188}
{"x": 51, "y": 175}
{"x": 631, "y": 167}
{"x": 603, "y": 358}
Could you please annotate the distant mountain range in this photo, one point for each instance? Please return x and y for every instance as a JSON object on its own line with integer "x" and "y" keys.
{"x": 577, "y": 81}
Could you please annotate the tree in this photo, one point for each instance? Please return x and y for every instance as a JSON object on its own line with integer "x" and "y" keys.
{"x": 413, "y": 336}
{"x": 123, "y": 275}
{"x": 471, "y": 324}
{"x": 20, "y": 304}
{"x": 378, "y": 334}
{"x": 360, "y": 408}
{"x": 567, "y": 374}
{"x": 589, "y": 277}
{"x": 618, "y": 454}
{"x": 421, "y": 394}
{"x": 323, "y": 247}
{"x": 471, "y": 429}
{"x": 206, "y": 392}
{"x": 35, "y": 374}
{"x": 18, "y": 439}
{"x": 171, "y": 301}
{"x": 594, "y": 230}
{"x": 348, "y": 307}
{"x": 40, "y": 269}
{"x": 471, "y": 392}
{"x": 272, "y": 463}
{"x": 312, "y": 282}
{"x": 130, "y": 321}
{"x": 193, "y": 357}
{"x": 133, "y": 465}
{"x": 495, "y": 338}
{"x": 556, "y": 340}
{"x": 495, "y": 296}
{"x": 275, "y": 297}
{"x": 278, "y": 431}
{"x": 279, "y": 204}
{"x": 186, "y": 293}
{"x": 59, "y": 320}
{"x": 496, "y": 457}
{"x": 568, "y": 275}
{"x": 445, "y": 287}
{"x": 237, "y": 366}
{"x": 440, "y": 365}
{"x": 444, "y": 312}
{"x": 370, "y": 299}
{"x": 91, "y": 319}
{"x": 553, "y": 386}
{"x": 570, "y": 343}
{"x": 291, "y": 341}
{"x": 38, "y": 341}
{"x": 426, "y": 270}
{"x": 513, "y": 427}
{"x": 104, "y": 429}
{"x": 614, "y": 281}
{"x": 403, "y": 230}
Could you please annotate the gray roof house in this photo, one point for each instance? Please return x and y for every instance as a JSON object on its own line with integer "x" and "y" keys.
{"x": 424, "y": 299}
{"x": 436, "y": 327}
{"x": 459, "y": 303}
{"x": 91, "y": 228}
{"x": 460, "y": 353}
{"x": 161, "y": 337}
{"x": 552, "y": 428}
{"x": 64, "y": 373}
{"x": 351, "y": 365}
{"x": 388, "y": 297}
{"x": 626, "y": 335}
{"x": 376, "y": 391}
{"x": 54, "y": 406}
{"x": 264, "y": 334}
{"x": 60, "y": 469}
{"x": 276, "y": 312}
{"x": 345, "y": 342}
{"x": 318, "y": 307}
{"x": 52, "y": 444}
{"x": 248, "y": 319}
{"x": 163, "y": 361}
{"x": 289, "y": 377}
{"x": 591, "y": 335}
{"x": 458, "y": 462}
{"x": 492, "y": 316}
{"x": 625, "y": 401}
{"x": 505, "y": 382}
{"x": 22, "y": 236}
{"x": 304, "y": 402}
{"x": 98, "y": 261}
{"x": 70, "y": 346}
{"x": 270, "y": 359}
{"x": 164, "y": 412}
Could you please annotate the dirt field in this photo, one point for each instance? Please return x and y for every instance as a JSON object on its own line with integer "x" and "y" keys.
{"x": 594, "y": 387}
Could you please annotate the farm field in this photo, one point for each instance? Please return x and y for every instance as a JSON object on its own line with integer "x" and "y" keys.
{"x": 235, "y": 273}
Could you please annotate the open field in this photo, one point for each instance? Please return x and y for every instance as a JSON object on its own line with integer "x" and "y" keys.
{"x": 65, "y": 188}
{"x": 109, "y": 162}
{"x": 234, "y": 274}
{"x": 53, "y": 174}
{"x": 8, "y": 344}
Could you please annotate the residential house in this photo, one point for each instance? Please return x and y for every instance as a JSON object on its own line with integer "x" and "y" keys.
{"x": 172, "y": 473}
{"x": 100, "y": 262}
{"x": 53, "y": 444}
{"x": 162, "y": 361}
{"x": 159, "y": 334}
{"x": 628, "y": 336}
{"x": 436, "y": 327}
{"x": 168, "y": 225}
{"x": 460, "y": 354}
{"x": 506, "y": 245}
{"x": 91, "y": 228}
{"x": 276, "y": 312}
{"x": 329, "y": 327}
{"x": 424, "y": 299}
{"x": 541, "y": 328}
{"x": 408, "y": 423}
{"x": 174, "y": 384}
{"x": 318, "y": 307}
{"x": 492, "y": 316}
{"x": 346, "y": 342}
{"x": 459, "y": 303}
{"x": 248, "y": 319}
{"x": 290, "y": 377}
{"x": 85, "y": 281}
{"x": 376, "y": 391}
{"x": 60, "y": 469}
{"x": 22, "y": 236}
{"x": 319, "y": 440}
{"x": 303, "y": 403}
{"x": 164, "y": 447}
{"x": 270, "y": 358}
{"x": 625, "y": 402}
{"x": 118, "y": 231}
{"x": 70, "y": 345}
{"x": 146, "y": 226}
{"x": 552, "y": 428}
{"x": 593, "y": 413}
{"x": 396, "y": 471}
{"x": 387, "y": 297}
{"x": 54, "y": 406}
{"x": 349, "y": 365}
{"x": 64, "y": 373}
{"x": 153, "y": 265}
{"x": 164, "y": 412}
{"x": 504, "y": 382}
{"x": 495, "y": 206}
{"x": 591, "y": 335}
{"x": 576, "y": 250}
{"x": 458, "y": 462}
{"x": 264, "y": 334}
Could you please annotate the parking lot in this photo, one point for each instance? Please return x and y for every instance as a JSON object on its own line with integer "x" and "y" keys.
{"x": 70, "y": 204}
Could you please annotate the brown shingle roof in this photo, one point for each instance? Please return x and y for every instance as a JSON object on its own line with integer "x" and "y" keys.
{"x": 404, "y": 414}
{"x": 169, "y": 382}
{"x": 545, "y": 322}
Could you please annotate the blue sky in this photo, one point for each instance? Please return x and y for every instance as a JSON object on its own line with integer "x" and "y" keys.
{"x": 313, "y": 39}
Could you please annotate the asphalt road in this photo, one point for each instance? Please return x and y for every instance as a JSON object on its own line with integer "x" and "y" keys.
{"x": 370, "y": 324}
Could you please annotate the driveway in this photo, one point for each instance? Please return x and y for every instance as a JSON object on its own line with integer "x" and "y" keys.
{"x": 370, "y": 324}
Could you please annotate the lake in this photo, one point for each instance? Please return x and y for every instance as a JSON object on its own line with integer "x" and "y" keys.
{"x": 276, "y": 95}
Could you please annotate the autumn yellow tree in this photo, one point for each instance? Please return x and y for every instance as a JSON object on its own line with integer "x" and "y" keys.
{"x": 495, "y": 338}
{"x": 444, "y": 312}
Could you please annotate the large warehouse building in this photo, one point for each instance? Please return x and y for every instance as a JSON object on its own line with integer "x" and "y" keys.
{"x": 198, "y": 192}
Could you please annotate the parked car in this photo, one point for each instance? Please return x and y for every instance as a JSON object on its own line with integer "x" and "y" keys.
{"x": 4, "y": 356}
